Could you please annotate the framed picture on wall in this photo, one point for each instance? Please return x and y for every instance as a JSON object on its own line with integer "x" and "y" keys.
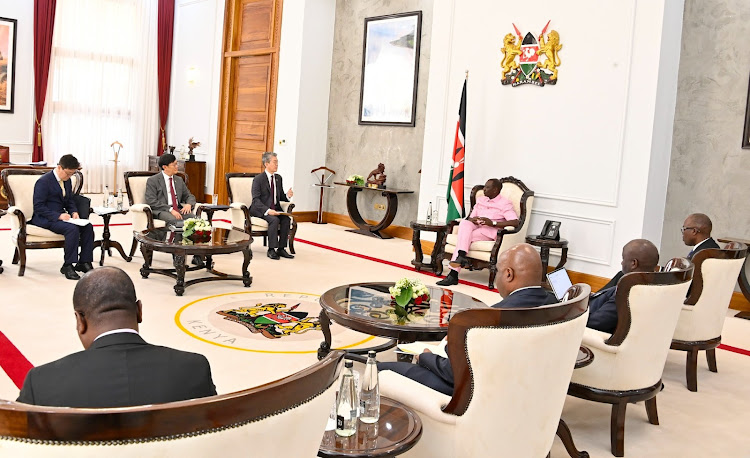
{"x": 7, "y": 63}
{"x": 746, "y": 131}
{"x": 390, "y": 68}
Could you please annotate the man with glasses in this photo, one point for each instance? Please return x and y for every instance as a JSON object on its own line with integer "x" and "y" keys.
{"x": 696, "y": 233}
{"x": 54, "y": 207}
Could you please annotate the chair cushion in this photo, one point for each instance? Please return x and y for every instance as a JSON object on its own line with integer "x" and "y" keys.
{"x": 138, "y": 189}
{"x": 23, "y": 192}
{"x": 482, "y": 245}
{"x": 42, "y": 234}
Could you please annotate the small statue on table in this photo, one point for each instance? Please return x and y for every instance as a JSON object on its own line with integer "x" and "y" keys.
{"x": 376, "y": 178}
{"x": 191, "y": 145}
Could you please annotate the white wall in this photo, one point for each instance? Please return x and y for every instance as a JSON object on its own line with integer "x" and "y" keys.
{"x": 17, "y": 128}
{"x": 585, "y": 145}
{"x": 194, "y": 106}
{"x": 302, "y": 96}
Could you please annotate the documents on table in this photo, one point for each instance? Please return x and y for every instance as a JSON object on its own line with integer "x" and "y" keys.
{"x": 104, "y": 210}
{"x": 78, "y": 221}
{"x": 416, "y": 348}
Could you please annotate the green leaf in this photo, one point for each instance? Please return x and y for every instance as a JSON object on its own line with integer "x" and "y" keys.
{"x": 404, "y": 298}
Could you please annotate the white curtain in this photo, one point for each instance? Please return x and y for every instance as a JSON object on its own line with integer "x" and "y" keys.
{"x": 103, "y": 87}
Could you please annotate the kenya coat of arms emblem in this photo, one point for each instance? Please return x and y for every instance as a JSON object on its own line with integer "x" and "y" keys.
{"x": 273, "y": 320}
{"x": 531, "y": 61}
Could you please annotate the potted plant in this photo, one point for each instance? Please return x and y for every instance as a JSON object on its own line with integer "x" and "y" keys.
{"x": 196, "y": 229}
{"x": 407, "y": 293}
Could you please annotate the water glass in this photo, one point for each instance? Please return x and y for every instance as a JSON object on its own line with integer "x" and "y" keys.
{"x": 215, "y": 199}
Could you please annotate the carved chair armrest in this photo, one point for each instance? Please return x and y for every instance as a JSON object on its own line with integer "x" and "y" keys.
{"x": 287, "y": 207}
{"x": 246, "y": 211}
{"x": 417, "y": 396}
{"x": 144, "y": 208}
{"x": 21, "y": 219}
{"x": 597, "y": 340}
{"x": 451, "y": 225}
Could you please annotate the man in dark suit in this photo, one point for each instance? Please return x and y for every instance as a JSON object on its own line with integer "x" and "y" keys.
{"x": 519, "y": 274}
{"x": 268, "y": 192}
{"x": 638, "y": 255}
{"x": 696, "y": 233}
{"x": 168, "y": 195}
{"x": 54, "y": 206}
{"x": 117, "y": 368}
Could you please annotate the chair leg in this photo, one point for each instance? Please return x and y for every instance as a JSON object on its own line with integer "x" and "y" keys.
{"x": 265, "y": 240}
{"x": 617, "y": 428}
{"x": 292, "y": 233}
{"x": 493, "y": 272}
{"x": 711, "y": 358}
{"x": 133, "y": 246}
{"x": 15, "y": 256}
{"x": 691, "y": 370}
{"x": 22, "y": 257}
{"x": 653, "y": 414}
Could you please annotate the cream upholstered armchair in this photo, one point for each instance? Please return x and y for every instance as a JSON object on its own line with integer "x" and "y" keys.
{"x": 628, "y": 364}
{"x": 19, "y": 186}
{"x": 511, "y": 369}
{"x": 141, "y": 216}
{"x": 239, "y": 189}
{"x": 483, "y": 254}
{"x": 702, "y": 316}
{"x": 285, "y": 418}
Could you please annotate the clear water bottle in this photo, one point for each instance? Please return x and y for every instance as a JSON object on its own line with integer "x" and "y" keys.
{"x": 347, "y": 403}
{"x": 429, "y": 212}
{"x": 105, "y": 202}
{"x": 369, "y": 400}
{"x": 120, "y": 197}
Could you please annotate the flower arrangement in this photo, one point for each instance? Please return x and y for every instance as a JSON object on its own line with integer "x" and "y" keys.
{"x": 409, "y": 291}
{"x": 196, "y": 228}
{"x": 358, "y": 180}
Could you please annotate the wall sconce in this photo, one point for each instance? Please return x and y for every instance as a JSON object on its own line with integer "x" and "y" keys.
{"x": 191, "y": 75}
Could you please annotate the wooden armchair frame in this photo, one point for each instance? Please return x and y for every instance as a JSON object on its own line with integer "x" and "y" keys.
{"x": 22, "y": 244}
{"x": 246, "y": 210}
{"x": 147, "y": 209}
{"x": 620, "y": 398}
{"x": 129, "y": 426}
{"x": 478, "y": 264}
{"x": 733, "y": 250}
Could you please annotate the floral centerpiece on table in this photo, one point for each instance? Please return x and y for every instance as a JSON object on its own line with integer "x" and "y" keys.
{"x": 196, "y": 229}
{"x": 358, "y": 180}
{"x": 408, "y": 292}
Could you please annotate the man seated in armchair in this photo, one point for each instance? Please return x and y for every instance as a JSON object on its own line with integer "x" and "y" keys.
{"x": 696, "y": 233}
{"x": 639, "y": 255}
{"x": 519, "y": 282}
{"x": 491, "y": 211}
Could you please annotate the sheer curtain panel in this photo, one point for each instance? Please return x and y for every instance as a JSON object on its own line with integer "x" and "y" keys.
{"x": 103, "y": 87}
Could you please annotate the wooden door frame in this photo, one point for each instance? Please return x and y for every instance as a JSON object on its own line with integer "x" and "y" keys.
{"x": 230, "y": 54}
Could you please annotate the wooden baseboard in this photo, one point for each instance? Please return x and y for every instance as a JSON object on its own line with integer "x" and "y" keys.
{"x": 306, "y": 217}
{"x": 400, "y": 232}
{"x": 738, "y": 301}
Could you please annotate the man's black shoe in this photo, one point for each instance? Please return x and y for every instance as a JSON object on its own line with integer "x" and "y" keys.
{"x": 69, "y": 272}
{"x": 284, "y": 254}
{"x": 450, "y": 279}
{"x": 84, "y": 267}
{"x": 460, "y": 261}
{"x": 198, "y": 261}
{"x": 273, "y": 254}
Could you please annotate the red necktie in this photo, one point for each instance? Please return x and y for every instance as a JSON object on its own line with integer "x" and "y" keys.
{"x": 174, "y": 197}
{"x": 273, "y": 194}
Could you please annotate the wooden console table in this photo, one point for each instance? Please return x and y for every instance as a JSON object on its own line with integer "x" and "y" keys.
{"x": 195, "y": 170}
{"x": 390, "y": 212}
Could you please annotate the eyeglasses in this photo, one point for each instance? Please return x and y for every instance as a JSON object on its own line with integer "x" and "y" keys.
{"x": 683, "y": 229}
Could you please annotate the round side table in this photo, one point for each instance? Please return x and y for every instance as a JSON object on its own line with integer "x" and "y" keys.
{"x": 544, "y": 247}
{"x": 442, "y": 231}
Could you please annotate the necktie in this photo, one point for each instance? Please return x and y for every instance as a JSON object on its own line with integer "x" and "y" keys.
{"x": 690, "y": 255}
{"x": 174, "y": 196}
{"x": 62, "y": 186}
{"x": 273, "y": 194}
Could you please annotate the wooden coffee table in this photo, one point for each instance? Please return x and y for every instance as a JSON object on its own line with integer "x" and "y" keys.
{"x": 223, "y": 241}
{"x": 366, "y": 307}
{"x": 398, "y": 430}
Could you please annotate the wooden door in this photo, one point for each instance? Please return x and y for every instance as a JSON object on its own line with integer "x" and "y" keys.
{"x": 252, "y": 29}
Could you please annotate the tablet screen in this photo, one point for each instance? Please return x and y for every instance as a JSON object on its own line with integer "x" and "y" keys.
{"x": 560, "y": 282}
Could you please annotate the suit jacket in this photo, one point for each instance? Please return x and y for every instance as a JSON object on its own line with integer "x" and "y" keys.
{"x": 708, "y": 243}
{"x": 49, "y": 202}
{"x": 261, "y": 192}
{"x": 119, "y": 370}
{"x": 531, "y": 297}
{"x": 157, "y": 194}
{"x": 603, "y": 311}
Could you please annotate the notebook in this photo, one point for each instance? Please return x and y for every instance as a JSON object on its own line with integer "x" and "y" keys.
{"x": 560, "y": 282}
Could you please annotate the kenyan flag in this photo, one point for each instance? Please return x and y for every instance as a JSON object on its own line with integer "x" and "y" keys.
{"x": 455, "y": 195}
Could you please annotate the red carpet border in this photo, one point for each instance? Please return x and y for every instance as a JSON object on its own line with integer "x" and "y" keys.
{"x": 13, "y": 362}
